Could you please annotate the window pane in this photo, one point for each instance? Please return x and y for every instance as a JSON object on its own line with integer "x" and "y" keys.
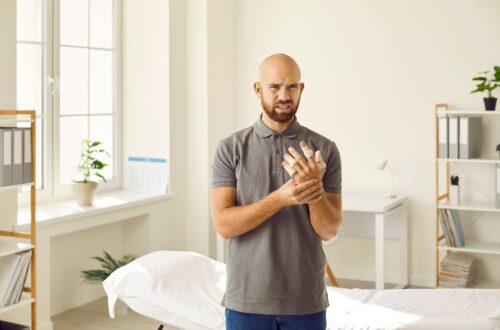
{"x": 29, "y": 20}
{"x": 101, "y": 129}
{"x": 74, "y": 22}
{"x": 74, "y": 81}
{"x": 101, "y": 23}
{"x": 72, "y": 131}
{"x": 29, "y": 77}
{"x": 101, "y": 81}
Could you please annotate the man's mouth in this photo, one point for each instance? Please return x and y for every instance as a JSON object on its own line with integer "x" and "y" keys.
{"x": 283, "y": 107}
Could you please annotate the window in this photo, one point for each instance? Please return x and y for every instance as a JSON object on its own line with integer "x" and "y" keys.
{"x": 67, "y": 70}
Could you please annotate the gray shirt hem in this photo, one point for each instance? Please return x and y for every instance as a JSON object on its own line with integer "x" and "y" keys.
{"x": 277, "y": 308}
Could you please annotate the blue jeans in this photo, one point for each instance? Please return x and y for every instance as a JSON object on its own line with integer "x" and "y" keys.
{"x": 246, "y": 321}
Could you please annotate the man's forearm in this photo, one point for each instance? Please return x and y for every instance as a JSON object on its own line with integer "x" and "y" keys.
{"x": 325, "y": 218}
{"x": 237, "y": 220}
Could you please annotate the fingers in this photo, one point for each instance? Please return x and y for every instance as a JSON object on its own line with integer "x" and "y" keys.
{"x": 319, "y": 159}
{"x": 307, "y": 151}
{"x": 291, "y": 171}
{"x": 309, "y": 193}
{"x": 298, "y": 158}
{"x": 290, "y": 160}
{"x": 316, "y": 198}
{"x": 304, "y": 185}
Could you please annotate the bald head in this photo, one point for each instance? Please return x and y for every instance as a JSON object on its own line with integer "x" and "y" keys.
{"x": 278, "y": 65}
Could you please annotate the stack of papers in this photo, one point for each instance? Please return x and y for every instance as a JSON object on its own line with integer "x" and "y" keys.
{"x": 457, "y": 271}
{"x": 13, "y": 273}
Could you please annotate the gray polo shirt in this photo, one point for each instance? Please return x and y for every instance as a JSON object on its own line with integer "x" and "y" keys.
{"x": 279, "y": 267}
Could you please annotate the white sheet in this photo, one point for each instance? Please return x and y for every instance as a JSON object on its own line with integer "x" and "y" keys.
{"x": 184, "y": 289}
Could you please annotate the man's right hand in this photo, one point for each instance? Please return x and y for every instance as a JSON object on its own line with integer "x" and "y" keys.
{"x": 303, "y": 193}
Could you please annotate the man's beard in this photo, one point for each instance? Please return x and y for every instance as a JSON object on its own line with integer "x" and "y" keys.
{"x": 280, "y": 117}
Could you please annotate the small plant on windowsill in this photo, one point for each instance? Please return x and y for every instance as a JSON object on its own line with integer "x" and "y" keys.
{"x": 108, "y": 266}
{"x": 488, "y": 83}
{"x": 90, "y": 167}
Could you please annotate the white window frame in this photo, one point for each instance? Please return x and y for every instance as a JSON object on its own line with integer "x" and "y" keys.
{"x": 52, "y": 189}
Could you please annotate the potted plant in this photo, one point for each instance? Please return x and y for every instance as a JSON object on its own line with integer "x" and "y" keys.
{"x": 488, "y": 84}
{"x": 90, "y": 167}
{"x": 108, "y": 266}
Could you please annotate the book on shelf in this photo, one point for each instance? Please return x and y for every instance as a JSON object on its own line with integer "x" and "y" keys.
{"x": 13, "y": 274}
{"x": 452, "y": 228}
{"x": 457, "y": 271}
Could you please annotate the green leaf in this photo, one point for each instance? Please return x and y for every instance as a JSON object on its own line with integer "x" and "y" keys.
{"x": 479, "y": 78}
{"x": 98, "y": 164}
{"x": 110, "y": 259}
{"x": 101, "y": 176}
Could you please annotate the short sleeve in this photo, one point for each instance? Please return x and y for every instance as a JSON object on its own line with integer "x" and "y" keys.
{"x": 332, "y": 180}
{"x": 223, "y": 168}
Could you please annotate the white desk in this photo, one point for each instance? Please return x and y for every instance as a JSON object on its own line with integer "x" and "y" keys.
{"x": 382, "y": 208}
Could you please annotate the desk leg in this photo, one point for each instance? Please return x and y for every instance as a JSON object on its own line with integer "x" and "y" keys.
{"x": 404, "y": 246}
{"x": 379, "y": 251}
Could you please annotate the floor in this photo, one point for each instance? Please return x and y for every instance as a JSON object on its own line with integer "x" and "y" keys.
{"x": 94, "y": 315}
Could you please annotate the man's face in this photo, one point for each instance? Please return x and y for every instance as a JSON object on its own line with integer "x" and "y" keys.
{"x": 279, "y": 90}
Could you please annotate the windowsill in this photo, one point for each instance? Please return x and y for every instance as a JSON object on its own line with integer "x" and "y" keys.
{"x": 51, "y": 213}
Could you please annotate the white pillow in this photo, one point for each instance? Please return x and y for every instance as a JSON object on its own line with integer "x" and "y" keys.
{"x": 180, "y": 288}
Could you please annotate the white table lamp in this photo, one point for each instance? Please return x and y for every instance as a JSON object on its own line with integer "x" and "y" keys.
{"x": 385, "y": 165}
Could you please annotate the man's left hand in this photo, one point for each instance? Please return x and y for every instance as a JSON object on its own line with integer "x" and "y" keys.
{"x": 300, "y": 169}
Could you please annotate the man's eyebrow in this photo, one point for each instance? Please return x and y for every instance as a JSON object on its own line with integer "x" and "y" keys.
{"x": 273, "y": 84}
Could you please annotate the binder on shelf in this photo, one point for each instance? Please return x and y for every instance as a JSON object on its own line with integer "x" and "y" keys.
{"x": 443, "y": 137}
{"x": 453, "y": 137}
{"x": 27, "y": 175}
{"x": 17, "y": 153}
{"x": 470, "y": 137}
{"x": 5, "y": 157}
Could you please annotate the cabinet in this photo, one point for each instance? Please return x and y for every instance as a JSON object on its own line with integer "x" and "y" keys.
{"x": 486, "y": 205}
{"x": 11, "y": 241}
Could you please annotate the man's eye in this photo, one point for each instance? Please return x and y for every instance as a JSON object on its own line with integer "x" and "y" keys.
{"x": 274, "y": 87}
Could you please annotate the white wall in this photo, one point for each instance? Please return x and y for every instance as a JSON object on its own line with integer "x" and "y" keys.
{"x": 373, "y": 72}
{"x": 8, "y": 54}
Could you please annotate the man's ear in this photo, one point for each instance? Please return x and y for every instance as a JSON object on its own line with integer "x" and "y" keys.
{"x": 302, "y": 87}
{"x": 257, "y": 88}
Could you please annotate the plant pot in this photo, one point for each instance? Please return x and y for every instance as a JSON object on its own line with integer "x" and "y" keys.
{"x": 490, "y": 103}
{"x": 84, "y": 192}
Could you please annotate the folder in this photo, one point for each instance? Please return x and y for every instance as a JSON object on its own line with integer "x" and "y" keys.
{"x": 453, "y": 137}
{"x": 443, "y": 137}
{"x": 27, "y": 175}
{"x": 470, "y": 137}
{"x": 17, "y": 153}
{"x": 5, "y": 157}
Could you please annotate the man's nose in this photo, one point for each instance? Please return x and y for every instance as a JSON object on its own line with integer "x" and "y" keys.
{"x": 283, "y": 94}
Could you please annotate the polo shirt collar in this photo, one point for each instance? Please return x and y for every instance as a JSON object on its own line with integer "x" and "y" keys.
{"x": 263, "y": 131}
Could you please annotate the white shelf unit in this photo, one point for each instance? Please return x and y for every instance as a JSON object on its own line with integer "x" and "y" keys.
{"x": 471, "y": 161}
{"x": 8, "y": 243}
{"x": 479, "y": 206}
{"x": 17, "y": 186}
{"x": 481, "y": 247}
{"x": 442, "y": 200}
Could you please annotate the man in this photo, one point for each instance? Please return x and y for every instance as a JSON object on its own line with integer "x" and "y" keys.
{"x": 274, "y": 222}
